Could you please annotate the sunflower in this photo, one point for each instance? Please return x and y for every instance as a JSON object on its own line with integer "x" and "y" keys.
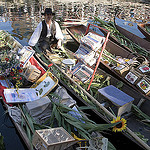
{"x": 121, "y": 126}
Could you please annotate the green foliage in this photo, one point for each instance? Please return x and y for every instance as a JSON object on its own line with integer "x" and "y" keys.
{"x": 147, "y": 27}
{"x": 120, "y": 37}
{"x": 2, "y": 146}
{"x": 141, "y": 137}
{"x": 77, "y": 122}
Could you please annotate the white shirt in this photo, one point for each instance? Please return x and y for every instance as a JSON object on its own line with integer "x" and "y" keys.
{"x": 36, "y": 34}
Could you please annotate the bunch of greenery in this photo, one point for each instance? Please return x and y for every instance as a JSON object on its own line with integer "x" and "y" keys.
{"x": 120, "y": 37}
{"x": 2, "y": 146}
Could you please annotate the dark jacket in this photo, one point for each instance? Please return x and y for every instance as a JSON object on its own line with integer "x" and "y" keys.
{"x": 44, "y": 32}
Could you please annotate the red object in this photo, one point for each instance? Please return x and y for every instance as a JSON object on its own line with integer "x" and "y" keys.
{"x": 12, "y": 73}
{"x": 20, "y": 78}
{"x": 21, "y": 65}
{"x": 100, "y": 55}
{"x": 34, "y": 62}
{"x": 50, "y": 65}
{"x": 7, "y": 59}
{"x": 2, "y": 94}
{"x": 20, "y": 70}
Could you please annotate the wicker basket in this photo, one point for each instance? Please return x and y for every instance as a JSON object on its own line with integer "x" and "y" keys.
{"x": 32, "y": 73}
{"x": 122, "y": 69}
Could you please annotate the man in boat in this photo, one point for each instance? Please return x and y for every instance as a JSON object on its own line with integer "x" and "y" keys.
{"x": 47, "y": 32}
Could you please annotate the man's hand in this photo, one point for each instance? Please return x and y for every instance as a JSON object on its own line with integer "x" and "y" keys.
{"x": 59, "y": 44}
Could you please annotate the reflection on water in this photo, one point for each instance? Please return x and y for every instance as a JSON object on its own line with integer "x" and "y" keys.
{"x": 22, "y": 16}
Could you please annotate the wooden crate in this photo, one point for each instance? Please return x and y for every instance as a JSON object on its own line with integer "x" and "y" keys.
{"x": 32, "y": 73}
{"x": 52, "y": 139}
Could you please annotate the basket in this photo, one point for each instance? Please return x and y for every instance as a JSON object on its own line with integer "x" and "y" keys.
{"x": 52, "y": 139}
{"x": 32, "y": 73}
{"x": 122, "y": 69}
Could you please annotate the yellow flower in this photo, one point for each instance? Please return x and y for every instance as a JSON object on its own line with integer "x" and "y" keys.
{"x": 121, "y": 126}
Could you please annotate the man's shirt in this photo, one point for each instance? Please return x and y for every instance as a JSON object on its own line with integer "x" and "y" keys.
{"x": 36, "y": 34}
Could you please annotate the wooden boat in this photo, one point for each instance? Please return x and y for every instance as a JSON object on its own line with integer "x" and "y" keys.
{"x": 141, "y": 42}
{"x": 141, "y": 27}
{"x": 105, "y": 114}
{"x": 121, "y": 39}
{"x": 111, "y": 47}
{"x": 66, "y": 80}
{"x": 26, "y": 135}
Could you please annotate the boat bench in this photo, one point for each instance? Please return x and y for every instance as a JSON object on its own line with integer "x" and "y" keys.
{"x": 116, "y": 98}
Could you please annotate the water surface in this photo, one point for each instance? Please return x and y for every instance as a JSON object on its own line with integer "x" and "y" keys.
{"x": 21, "y": 17}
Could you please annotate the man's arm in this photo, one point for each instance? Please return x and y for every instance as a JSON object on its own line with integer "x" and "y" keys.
{"x": 36, "y": 35}
{"x": 59, "y": 36}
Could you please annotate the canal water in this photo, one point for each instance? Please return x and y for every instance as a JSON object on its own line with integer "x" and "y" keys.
{"x": 20, "y": 18}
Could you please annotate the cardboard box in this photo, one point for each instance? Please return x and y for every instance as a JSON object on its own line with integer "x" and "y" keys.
{"x": 117, "y": 98}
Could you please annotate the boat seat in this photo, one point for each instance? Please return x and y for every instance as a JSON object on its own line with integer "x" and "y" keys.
{"x": 118, "y": 99}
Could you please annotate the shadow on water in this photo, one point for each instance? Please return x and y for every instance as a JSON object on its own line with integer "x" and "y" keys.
{"x": 12, "y": 140}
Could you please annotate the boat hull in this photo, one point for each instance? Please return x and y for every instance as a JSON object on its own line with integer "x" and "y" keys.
{"x": 139, "y": 41}
{"x": 141, "y": 27}
{"x": 111, "y": 47}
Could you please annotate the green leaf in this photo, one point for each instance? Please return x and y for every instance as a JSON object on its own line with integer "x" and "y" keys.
{"x": 58, "y": 117}
{"x": 63, "y": 124}
{"x": 101, "y": 127}
{"x": 30, "y": 121}
{"x": 28, "y": 132}
{"x": 52, "y": 115}
{"x": 68, "y": 128}
{"x": 69, "y": 117}
{"x": 110, "y": 146}
{"x": 77, "y": 125}
{"x": 139, "y": 113}
{"x": 83, "y": 135}
{"x": 86, "y": 107}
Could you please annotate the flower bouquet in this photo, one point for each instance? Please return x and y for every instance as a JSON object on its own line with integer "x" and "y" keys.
{"x": 7, "y": 61}
{"x": 16, "y": 75}
{"x": 11, "y": 68}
